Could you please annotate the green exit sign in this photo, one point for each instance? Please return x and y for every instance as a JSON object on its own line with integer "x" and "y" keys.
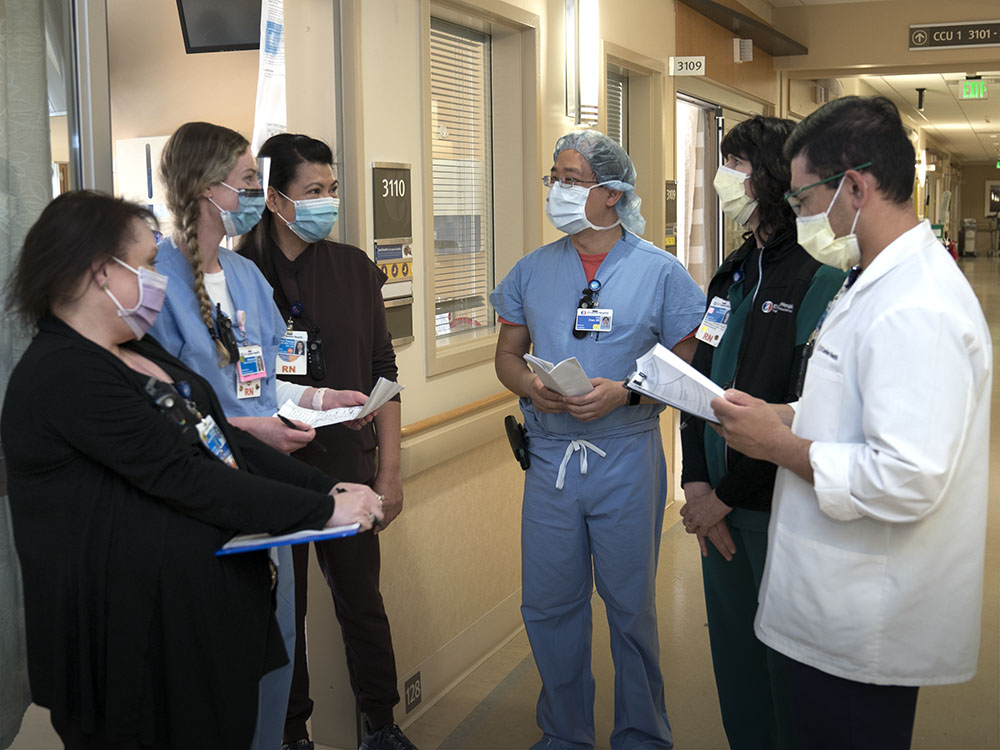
{"x": 974, "y": 89}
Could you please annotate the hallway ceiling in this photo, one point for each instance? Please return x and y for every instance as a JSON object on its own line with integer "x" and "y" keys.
{"x": 968, "y": 128}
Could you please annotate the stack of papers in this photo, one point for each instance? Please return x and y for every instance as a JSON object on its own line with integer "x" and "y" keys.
{"x": 252, "y": 542}
{"x": 567, "y": 378}
{"x": 383, "y": 391}
{"x": 662, "y": 375}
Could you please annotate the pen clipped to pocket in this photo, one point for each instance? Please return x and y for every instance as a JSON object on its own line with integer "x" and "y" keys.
{"x": 518, "y": 438}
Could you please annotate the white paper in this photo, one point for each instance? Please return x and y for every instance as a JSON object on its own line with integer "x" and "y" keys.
{"x": 663, "y": 375}
{"x": 383, "y": 391}
{"x": 566, "y": 378}
{"x": 270, "y": 110}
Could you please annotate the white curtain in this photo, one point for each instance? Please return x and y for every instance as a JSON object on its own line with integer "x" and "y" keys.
{"x": 691, "y": 235}
{"x": 25, "y": 188}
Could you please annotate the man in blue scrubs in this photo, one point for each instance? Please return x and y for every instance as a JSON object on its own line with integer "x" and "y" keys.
{"x": 596, "y": 488}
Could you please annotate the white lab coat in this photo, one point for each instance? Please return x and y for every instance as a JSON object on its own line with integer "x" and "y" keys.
{"x": 875, "y": 572}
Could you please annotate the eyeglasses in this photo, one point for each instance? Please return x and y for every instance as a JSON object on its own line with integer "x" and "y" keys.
{"x": 549, "y": 181}
{"x": 792, "y": 196}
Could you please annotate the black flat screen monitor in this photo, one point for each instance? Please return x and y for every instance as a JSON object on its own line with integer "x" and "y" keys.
{"x": 219, "y": 25}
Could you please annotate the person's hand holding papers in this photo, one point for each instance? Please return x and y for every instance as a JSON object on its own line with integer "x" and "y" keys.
{"x": 761, "y": 430}
{"x": 607, "y": 396}
{"x": 545, "y": 400}
{"x": 334, "y": 399}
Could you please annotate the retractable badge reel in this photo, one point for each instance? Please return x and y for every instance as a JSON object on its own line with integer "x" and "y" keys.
{"x": 590, "y": 317}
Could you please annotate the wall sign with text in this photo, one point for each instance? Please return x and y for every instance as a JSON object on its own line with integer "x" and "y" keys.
{"x": 955, "y": 35}
{"x": 392, "y": 206}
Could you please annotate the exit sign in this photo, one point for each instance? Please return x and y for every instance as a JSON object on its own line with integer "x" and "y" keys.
{"x": 975, "y": 89}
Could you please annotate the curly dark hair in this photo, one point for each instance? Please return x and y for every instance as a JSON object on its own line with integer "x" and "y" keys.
{"x": 760, "y": 140}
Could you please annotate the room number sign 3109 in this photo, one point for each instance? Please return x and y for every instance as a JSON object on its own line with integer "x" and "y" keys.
{"x": 687, "y": 66}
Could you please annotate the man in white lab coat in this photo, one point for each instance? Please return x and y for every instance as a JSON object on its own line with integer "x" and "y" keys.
{"x": 874, "y": 575}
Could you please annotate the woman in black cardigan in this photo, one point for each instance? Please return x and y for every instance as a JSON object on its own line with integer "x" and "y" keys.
{"x": 138, "y": 635}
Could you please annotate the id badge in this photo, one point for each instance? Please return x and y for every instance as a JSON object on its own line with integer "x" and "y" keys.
{"x": 251, "y": 364}
{"x": 713, "y": 325}
{"x": 248, "y": 390}
{"x": 213, "y": 439}
{"x": 594, "y": 319}
{"x": 291, "y": 358}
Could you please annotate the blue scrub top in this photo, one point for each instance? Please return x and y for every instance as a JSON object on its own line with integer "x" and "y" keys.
{"x": 654, "y": 300}
{"x": 179, "y": 327}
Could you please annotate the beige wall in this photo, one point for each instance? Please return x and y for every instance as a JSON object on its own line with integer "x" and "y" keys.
{"x": 696, "y": 35}
{"x": 156, "y": 86}
{"x": 851, "y": 36}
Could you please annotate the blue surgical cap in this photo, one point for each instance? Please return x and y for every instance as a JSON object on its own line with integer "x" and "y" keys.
{"x": 613, "y": 168}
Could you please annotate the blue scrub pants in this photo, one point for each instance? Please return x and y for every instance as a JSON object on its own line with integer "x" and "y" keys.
{"x": 608, "y": 521}
{"x": 274, "y": 686}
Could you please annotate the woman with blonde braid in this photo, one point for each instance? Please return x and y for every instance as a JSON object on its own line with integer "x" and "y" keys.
{"x": 220, "y": 319}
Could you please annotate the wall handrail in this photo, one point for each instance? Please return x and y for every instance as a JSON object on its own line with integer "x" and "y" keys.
{"x": 452, "y": 415}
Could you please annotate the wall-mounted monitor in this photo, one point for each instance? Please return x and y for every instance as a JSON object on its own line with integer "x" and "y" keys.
{"x": 219, "y": 25}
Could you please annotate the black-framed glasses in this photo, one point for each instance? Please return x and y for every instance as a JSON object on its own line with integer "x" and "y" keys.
{"x": 792, "y": 196}
{"x": 548, "y": 180}
{"x": 588, "y": 301}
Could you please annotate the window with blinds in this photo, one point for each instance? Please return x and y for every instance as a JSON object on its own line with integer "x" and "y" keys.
{"x": 618, "y": 107}
{"x": 461, "y": 125}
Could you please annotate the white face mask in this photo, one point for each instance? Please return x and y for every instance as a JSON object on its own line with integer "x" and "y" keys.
{"x": 736, "y": 204}
{"x": 817, "y": 238}
{"x": 566, "y": 208}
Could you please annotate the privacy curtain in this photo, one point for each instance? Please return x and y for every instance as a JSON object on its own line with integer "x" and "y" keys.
{"x": 25, "y": 188}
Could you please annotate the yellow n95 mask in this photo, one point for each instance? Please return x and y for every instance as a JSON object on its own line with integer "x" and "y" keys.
{"x": 816, "y": 237}
{"x": 736, "y": 204}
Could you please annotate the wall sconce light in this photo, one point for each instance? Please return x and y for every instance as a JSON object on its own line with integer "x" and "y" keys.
{"x": 582, "y": 61}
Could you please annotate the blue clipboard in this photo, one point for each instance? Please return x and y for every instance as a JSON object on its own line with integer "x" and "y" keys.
{"x": 253, "y": 542}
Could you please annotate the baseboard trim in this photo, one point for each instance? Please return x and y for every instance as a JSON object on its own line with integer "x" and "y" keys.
{"x": 463, "y": 654}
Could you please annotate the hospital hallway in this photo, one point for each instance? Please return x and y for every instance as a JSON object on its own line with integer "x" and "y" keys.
{"x": 494, "y": 706}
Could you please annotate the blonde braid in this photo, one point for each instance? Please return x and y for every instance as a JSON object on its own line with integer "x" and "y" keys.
{"x": 189, "y": 230}
{"x": 196, "y": 156}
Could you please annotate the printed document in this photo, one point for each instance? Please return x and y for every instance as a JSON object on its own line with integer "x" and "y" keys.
{"x": 252, "y": 542}
{"x": 380, "y": 395}
{"x": 663, "y": 375}
{"x": 566, "y": 378}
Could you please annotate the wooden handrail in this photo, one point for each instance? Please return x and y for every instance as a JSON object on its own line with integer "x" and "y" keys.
{"x": 451, "y": 415}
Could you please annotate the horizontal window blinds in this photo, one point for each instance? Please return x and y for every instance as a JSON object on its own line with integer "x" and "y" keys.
{"x": 461, "y": 124}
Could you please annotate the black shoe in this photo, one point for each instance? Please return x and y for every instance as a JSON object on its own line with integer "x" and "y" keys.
{"x": 298, "y": 745}
{"x": 389, "y": 737}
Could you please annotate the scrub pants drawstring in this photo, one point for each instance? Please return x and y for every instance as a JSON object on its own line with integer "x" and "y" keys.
{"x": 576, "y": 445}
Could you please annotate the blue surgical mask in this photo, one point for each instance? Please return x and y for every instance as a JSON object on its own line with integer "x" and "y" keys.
{"x": 249, "y": 209}
{"x": 314, "y": 218}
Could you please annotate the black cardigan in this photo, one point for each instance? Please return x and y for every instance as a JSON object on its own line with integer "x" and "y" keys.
{"x": 135, "y": 630}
